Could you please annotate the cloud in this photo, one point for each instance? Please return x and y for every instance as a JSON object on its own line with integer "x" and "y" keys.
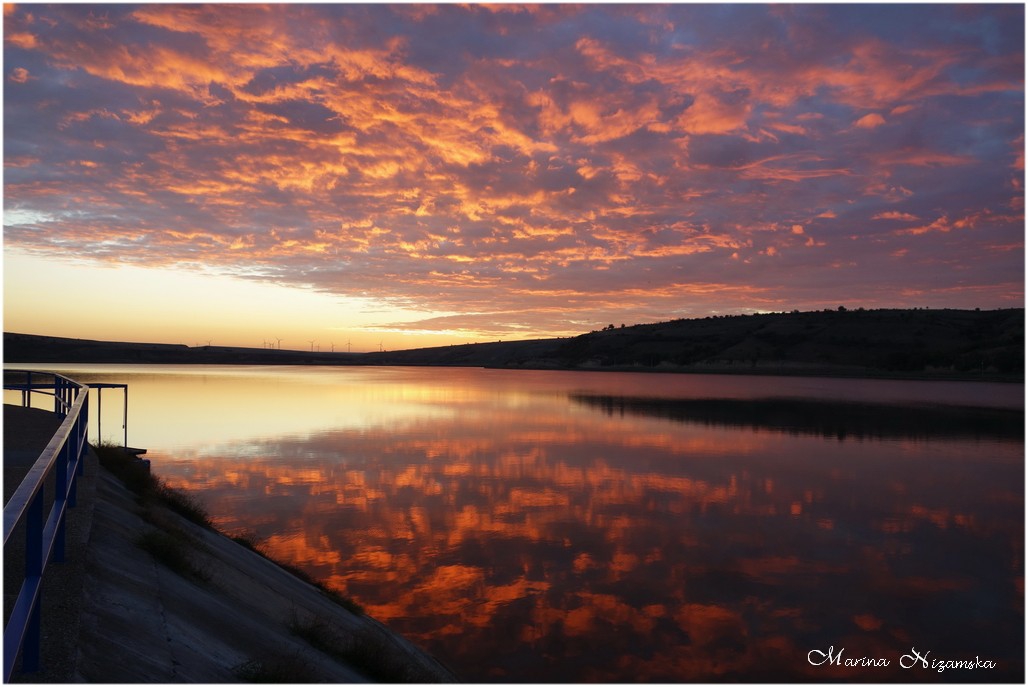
{"x": 716, "y": 114}
{"x": 870, "y": 121}
{"x": 21, "y": 40}
{"x": 548, "y": 152}
{"x": 893, "y": 214}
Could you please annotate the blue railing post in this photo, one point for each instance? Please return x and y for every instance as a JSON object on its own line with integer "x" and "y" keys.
{"x": 74, "y": 454}
{"x": 33, "y": 575}
{"x": 61, "y": 500}
{"x": 83, "y": 425}
{"x": 44, "y": 537}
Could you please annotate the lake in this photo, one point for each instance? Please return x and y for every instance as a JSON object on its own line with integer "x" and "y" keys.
{"x": 531, "y": 526}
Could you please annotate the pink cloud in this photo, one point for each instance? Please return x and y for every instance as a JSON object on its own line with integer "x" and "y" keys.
{"x": 710, "y": 114}
{"x": 870, "y": 121}
{"x": 919, "y": 157}
{"x": 893, "y": 214}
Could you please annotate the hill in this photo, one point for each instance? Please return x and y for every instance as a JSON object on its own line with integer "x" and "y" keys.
{"x": 896, "y": 342}
{"x": 907, "y": 343}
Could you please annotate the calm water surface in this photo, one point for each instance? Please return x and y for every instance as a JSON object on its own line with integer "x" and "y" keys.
{"x": 548, "y": 526}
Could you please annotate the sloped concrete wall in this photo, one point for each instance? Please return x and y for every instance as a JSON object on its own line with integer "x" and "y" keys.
{"x": 142, "y": 621}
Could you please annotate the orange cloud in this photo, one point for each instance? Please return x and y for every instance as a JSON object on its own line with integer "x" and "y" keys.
{"x": 22, "y": 40}
{"x": 922, "y": 158}
{"x": 789, "y": 128}
{"x": 796, "y": 167}
{"x": 893, "y": 214}
{"x": 973, "y": 220}
{"x": 870, "y": 121}
{"x": 711, "y": 115}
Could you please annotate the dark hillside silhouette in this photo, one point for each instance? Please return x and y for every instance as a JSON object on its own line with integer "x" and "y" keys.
{"x": 963, "y": 341}
{"x": 961, "y": 344}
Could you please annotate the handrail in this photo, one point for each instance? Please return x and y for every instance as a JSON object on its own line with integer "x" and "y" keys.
{"x": 62, "y": 458}
{"x": 30, "y": 387}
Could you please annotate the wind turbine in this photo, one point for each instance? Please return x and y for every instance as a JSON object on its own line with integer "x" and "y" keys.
{"x": 311, "y": 342}
{"x": 347, "y": 345}
{"x": 279, "y": 344}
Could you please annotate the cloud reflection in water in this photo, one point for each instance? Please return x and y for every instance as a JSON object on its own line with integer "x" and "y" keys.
{"x": 566, "y": 540}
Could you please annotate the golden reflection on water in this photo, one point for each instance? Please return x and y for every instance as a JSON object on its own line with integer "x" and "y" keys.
{"x": 533, "y": 527}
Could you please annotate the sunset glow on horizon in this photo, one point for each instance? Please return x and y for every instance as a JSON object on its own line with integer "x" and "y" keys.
{"x": 412, "y": 175}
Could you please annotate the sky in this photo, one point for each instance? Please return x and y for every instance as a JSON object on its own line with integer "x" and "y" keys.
{"x": 393, "y": 176}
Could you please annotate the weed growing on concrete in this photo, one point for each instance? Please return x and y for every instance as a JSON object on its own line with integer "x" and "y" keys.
{"x": 281, "y": 668}
{"x": 135, "y": 475}
{"x": 346, "y": 602}
{"x": 316, "y": 632}
{"x": 374, "y": 657}
{"x": 250, "y": 540}
{"x": 182, "y": 503}
{"x": 133, "y": 472}
{"x": 366, "y": 650}
{"x": 172, "y": 550}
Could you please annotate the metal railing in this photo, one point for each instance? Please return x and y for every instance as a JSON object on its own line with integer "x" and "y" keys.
{"x": 44, "y": 540}
{"x": 26, "y": 388}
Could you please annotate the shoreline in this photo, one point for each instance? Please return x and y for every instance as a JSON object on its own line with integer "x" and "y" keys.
{"x": 943, "y": 344}
{"x": 767, "y": 369}
{"x": 771, "y": 370}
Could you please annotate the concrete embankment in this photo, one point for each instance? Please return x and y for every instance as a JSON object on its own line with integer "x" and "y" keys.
{"x": 148, "y": 596}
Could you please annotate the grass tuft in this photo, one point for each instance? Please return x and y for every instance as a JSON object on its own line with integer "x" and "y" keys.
{"x": 128, "y": 468}
{"x": 367, "y": 650}
{"x": 250, "y": 540}
{"x": 346, "y": 602}
{"x": 316, "y": 632}
{"x": 275, "y": 669}
{"x": 172, "y": 550}
{"x": 189, "y": 507}
{"x": 135, "y": 475}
